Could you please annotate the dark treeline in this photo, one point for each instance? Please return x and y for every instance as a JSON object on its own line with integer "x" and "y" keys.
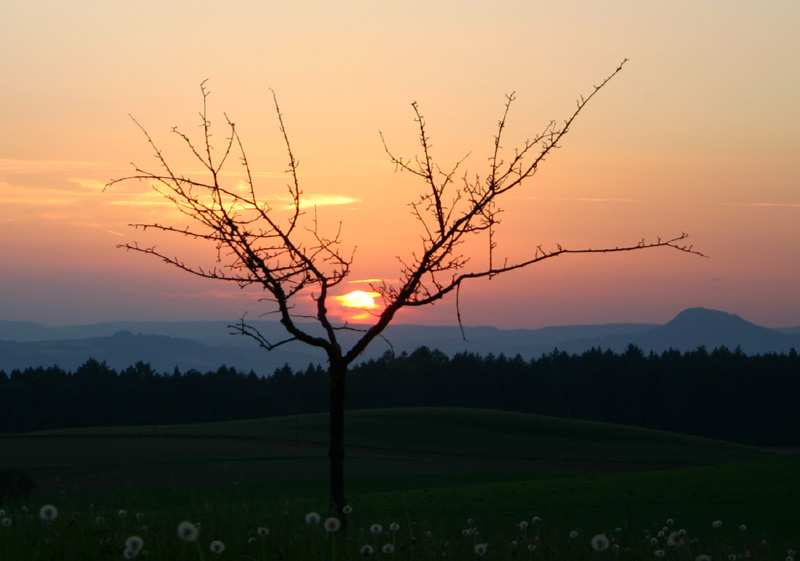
{"x": 721, "y": 394}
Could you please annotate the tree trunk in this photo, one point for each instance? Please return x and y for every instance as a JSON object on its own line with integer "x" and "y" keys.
{"x": 338, "y": 374}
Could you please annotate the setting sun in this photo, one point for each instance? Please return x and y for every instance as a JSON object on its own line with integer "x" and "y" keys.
{"x": 359, "y": 299}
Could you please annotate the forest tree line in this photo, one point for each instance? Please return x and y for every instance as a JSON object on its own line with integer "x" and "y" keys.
{"x": 719, "y": 394}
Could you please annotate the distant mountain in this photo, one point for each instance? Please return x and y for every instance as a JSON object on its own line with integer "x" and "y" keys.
{"x": 710, "y": 328}
{"x": 205, "y": 346}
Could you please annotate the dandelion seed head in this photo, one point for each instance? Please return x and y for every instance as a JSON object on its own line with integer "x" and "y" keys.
{"x": 531, "y": 547}
{"x": 789, "y": 558}
{"x": 347, "y": 509}
{"x": 659, "y": 553}
{"x": 251, "y": 540}
{"x": 670, "y": 522}
{"x": 187, "y": 531}
{"x": 743, "y": 527}
{"x": 600, "y": 542}
{"x": 262, "y": 531}
{"x": 653, "y": 541}
{"x": 480, "y": 549}
{"x": 428, "y": 534}
{"x": 99, "y": 520}
{"x": 523, "y": 525}
{"x": 135, "y": 543}
{"x": 394, "y": 526}
{"x": 366, "y": 550}
{"x": 536, "y": 519}
{"x": 313, "y": 518}
{"x": 573, "y": 534}
{"x": 216, "y": 547}
{"x": 48, "y": 512}
{"x": 130, "y": 553}
{"x": 376, "y": 529}
{"x": 732, "y": 557}
{"x": 703, "y": 557}
{"x": 618, "y": 530}
{"x": 5, "y": 522}
{"x": 675, "y": 539}
{"x": 123, "y": 513}
{"x": 332, "y": 524}
{"x": 716, "y": 523}
{"x": 615, "y": 547}
{"x": 387, "y": 548}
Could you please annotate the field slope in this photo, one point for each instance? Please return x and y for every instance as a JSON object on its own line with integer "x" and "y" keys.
{"x": 388, "y": 444}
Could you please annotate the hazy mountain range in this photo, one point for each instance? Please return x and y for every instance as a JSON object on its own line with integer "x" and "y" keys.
{"x": 205, "y": 346}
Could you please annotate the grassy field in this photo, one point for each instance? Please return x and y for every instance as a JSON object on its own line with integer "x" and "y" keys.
{"x": 431, "y": 470}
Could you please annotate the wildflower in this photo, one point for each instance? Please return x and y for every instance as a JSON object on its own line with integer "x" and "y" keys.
{"x": 659, "y": 553}
{"x": 743, "y": 527}
{"x": 480, "y": 549}
{"x": 332, "y": 524}
{"x": 716, "y": 523}
{"x": 347, "y": 509}
{"x": 48, "y": 512}
{"x": 216, "y": 546}
{"x": 263, "y": 531}
{"x": 187, "y": 531}
{"x": 313, "y": 518}
{"x": 387, "y": 548}
{"x": 134, "y": 543}
{"x": 600, "y": 542}
{"x": 523, "y": 525}
{"x": 376, "y": 529}
{"x": 5, "y": 522}
{"x": 573, "y": 534}
{"x": 366, "y": 550}
{"x": 394, "y": 526}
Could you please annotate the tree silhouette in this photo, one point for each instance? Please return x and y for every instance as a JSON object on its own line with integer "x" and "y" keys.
{"x": 291, "y": 259}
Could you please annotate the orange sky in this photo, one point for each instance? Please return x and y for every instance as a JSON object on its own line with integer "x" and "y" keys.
{"x": 699, "y": 133}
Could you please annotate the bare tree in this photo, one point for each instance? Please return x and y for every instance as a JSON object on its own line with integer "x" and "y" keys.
{"x": 290, "y": 259}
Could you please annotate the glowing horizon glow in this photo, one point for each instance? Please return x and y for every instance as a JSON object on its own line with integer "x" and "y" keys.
{"x": 697, "y": 134}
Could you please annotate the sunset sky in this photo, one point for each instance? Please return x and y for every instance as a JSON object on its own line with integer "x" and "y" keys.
{"x": 699, "y": 133}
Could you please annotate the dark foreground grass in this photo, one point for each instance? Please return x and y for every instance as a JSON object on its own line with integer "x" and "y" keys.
{"x": 437, "y": 519}
{"x": 450, "y": 479}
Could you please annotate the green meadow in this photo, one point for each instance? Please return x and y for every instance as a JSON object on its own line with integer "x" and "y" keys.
{"x": 450, "y": 479}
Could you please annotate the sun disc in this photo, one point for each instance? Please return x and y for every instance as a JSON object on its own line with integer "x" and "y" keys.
{"x": 358, "y": 299}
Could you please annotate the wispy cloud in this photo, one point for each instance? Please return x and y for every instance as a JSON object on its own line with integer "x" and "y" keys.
{"x": 15, "y": 166}
{"x": 789, "y": 205}
{"x": 587, "y": 199}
